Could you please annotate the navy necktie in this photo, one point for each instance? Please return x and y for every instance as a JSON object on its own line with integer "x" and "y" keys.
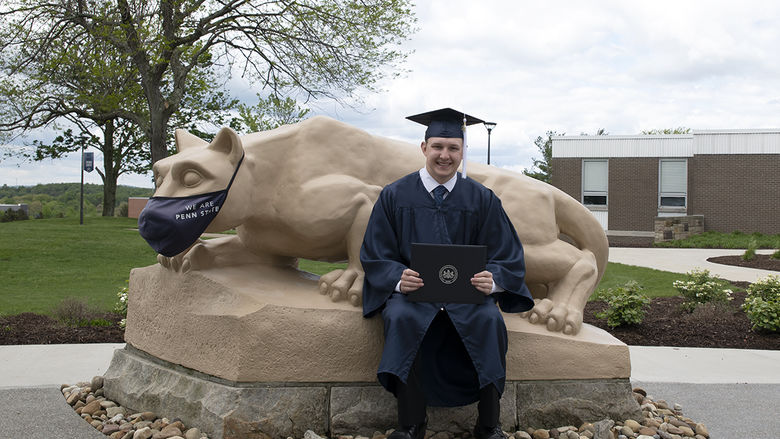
{"x": 438, "y": 194}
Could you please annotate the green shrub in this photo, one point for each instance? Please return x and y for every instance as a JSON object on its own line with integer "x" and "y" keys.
{"x": 121, "y": 210}
{"x": 750, "y": 253}
{"x": 13, "y": 215}
{"x": 624, "y": 304}
{"x": 74, "y": 311}
{"x": 121, "y": 305}
{"x": 701, "y": 287}
{"x": 776, "y": 254}
{"x": 762, "y": 304}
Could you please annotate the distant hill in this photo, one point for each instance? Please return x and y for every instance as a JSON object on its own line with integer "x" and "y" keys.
{"x": 57, "y": 200}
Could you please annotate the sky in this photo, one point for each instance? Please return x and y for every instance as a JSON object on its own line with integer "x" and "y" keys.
{"x": 568, "y": 66}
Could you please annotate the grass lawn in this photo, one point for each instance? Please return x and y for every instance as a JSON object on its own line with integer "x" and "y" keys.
{"x": 319, "y": 268}
{"x": 655, "y": 283}
{"x": 725, "y": 240}
{"x": 45, "y": 261}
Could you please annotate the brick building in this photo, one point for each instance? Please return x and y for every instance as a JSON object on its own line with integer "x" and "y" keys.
{"x": 649, "y": 186}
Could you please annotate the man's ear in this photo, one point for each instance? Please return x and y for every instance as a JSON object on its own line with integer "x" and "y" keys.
{"x": 423, "y": 144}
{"x": 227, "y": 142}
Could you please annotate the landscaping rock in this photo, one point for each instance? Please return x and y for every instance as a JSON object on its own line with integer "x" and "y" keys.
{"x": 146, "y": 425}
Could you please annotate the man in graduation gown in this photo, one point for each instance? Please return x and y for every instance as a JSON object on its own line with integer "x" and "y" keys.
{"x": 442, "y": 354}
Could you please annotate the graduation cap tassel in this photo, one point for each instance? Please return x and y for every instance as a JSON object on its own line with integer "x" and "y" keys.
{"x": 465, "y": 146}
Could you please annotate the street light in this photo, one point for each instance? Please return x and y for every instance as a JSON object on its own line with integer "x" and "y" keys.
{"x": 489, "y": 126}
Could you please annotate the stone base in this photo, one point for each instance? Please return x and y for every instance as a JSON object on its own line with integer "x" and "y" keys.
{"x": 238, "y": 410}
{"x": 257, "y": 323}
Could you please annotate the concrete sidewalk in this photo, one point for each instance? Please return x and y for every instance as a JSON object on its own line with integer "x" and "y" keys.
{"x": 52, "y": 365}
{"x": 683, "y": 260}
{"x": 734, "y": 392}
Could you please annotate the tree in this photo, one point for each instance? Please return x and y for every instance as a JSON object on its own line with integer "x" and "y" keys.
{"x": 85, "y": 82}
{"x": 678, "y": 130}
{"x": 599, "y": 132}
{"x": 269, "y": 113}
{"x": 544, "y": 172}
{"x": 120, "y": 142}
{"x": 78, "y": 81}
{"x": 322, "y": 48}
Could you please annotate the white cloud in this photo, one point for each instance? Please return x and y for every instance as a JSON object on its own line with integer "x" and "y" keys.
{"x": 574, "y": 66}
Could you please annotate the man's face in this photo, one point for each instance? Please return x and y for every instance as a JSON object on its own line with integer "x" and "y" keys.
{"x": 442, "y": 156}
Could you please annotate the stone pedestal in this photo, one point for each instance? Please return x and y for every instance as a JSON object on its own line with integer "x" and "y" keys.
{"x": 253, "y": 351}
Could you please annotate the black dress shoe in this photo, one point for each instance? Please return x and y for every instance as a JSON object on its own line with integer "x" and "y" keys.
{"x": 410, "y": 432}
{"x": 481, "y": 432}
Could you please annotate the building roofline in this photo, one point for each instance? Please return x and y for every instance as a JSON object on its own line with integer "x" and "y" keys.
{"x": 673, "y": 136}
{"x": 740, "y": 131}
{"x": 632, "y": 137}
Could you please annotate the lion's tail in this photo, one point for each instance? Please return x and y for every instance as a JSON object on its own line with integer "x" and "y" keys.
{"x": 578, "y": 223}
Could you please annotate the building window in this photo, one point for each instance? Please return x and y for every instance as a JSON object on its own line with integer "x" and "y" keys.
{"x": 673, "y": 183}
{"x": 594, "y": 182}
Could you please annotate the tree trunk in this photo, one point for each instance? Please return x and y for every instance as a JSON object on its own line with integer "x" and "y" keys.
{"x": 158, "y": 127}
{"x": 111, "y": 171}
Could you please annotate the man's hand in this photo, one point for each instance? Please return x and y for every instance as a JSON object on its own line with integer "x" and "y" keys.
{"x": 410, "y": 281}
{"x": 483, "y": 281}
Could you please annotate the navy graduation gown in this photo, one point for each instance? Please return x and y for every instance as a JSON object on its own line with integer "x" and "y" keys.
{"x": 465, "y": 349}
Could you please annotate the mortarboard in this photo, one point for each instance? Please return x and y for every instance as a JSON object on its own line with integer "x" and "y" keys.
{"x": 448, "y": 123}
{"x": 445, "y": 122}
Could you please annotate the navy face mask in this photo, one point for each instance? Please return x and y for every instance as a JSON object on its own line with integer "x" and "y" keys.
{"x": 171, "y": 224}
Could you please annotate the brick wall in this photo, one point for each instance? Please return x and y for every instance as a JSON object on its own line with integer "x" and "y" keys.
{"x": 735, "y": 192}
{"x": 567, "y": 176}
{"x": 633, "y": 193}
{"x": 732, "y": 192}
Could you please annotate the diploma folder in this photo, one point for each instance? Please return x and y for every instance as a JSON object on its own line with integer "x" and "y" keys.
{"x": 446, "y": 271}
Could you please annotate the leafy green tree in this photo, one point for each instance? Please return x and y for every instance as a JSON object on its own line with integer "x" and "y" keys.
{"x": 122, "y": 148}
{"x": 543, "y": 170}
{"x": 269, "y": 113}
{"x": 85, "y": 82}
{"x": 322, "y": 48}
{"x": 678, "y": 130}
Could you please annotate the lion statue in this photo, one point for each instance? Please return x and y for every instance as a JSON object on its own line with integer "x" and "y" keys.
{"x": 307, "y": 190}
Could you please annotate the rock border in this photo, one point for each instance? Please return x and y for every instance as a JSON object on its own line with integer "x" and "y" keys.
{"x": 227, "y": 410}
{"x": 658, "y": 421}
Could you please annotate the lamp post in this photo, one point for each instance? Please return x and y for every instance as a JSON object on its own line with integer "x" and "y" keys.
{"x": 81, "y": 199}
{"x": 489, "y": 126}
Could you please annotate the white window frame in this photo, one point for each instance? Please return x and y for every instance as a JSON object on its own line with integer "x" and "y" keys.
{"x": 595, "y": 193}
{"x": 672, "y": 194}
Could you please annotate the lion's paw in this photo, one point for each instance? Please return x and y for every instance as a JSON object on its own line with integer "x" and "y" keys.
{"x": 343, "y": 284}
{"x": 558, "y": 317}
{"x": 194, "y": 258}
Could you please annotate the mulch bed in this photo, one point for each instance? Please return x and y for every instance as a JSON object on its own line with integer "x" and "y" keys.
{"x": 665, "y": 324}
{"x": 30, "y": 328}
{"x": 763, "y": 262}
{"x": 708, "y": 326}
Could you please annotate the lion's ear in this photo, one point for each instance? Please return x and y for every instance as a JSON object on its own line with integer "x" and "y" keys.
{"x": 185, "y": 140}
{"x": 227, "y": 142}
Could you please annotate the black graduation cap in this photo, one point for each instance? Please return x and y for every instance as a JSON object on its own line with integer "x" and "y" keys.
{"x": 445, "y": 122}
